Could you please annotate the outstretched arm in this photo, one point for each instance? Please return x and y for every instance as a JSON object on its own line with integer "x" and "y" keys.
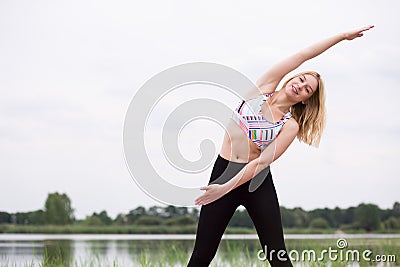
{"x": 270, "y": 80}
{"x": 270, "y": 154}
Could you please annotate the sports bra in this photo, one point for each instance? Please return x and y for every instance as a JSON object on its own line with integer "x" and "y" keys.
{"x": 249, "y": 117}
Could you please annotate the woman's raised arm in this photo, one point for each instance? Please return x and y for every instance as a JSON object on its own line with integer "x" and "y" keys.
{"x": 270, "y": 80}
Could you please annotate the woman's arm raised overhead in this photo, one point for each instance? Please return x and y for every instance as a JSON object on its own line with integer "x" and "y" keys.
{"x": 270, "y": 79}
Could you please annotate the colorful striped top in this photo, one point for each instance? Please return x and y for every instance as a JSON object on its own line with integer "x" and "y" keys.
{"x": 249, "y": 117}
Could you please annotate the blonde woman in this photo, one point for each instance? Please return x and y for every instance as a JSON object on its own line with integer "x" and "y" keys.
{"x": 262, "y": 128}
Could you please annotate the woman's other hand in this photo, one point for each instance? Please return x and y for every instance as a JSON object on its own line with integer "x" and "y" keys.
{"x": 213, "y": 192}
{"x": 350, "y": 35}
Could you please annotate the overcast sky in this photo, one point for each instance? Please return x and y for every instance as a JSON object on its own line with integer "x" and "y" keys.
{"x": 69, "y": 69}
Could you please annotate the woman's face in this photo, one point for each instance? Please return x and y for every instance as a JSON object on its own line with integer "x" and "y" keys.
{"x": 302, "y": 87}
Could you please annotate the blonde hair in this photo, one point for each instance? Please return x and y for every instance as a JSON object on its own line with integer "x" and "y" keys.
{"x": 310, "y": 116}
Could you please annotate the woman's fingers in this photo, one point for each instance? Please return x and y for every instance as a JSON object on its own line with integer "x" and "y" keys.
{"x": 212, "y": 193}
{"x": 205, "y": 198}
{"x": 201, "y": 201}
{"x": 367, "y": 28}
{"x": 358, "y": 33}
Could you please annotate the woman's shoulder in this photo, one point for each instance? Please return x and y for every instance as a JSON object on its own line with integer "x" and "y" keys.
{"x": 292, "y": 125}
{"x": 260, "y": 95}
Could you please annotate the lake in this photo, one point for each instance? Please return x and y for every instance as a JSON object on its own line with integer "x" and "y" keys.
{"x": 174, "y": 250}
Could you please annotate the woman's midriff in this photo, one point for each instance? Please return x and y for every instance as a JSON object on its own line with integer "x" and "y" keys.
{"x": 237, "y": 147}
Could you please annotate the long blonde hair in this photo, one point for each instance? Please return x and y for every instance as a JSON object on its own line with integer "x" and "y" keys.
{"x": 310, "y": 116}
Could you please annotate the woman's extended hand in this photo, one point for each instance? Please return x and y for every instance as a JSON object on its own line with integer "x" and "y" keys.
{"x": 356, "y": 33}
{"x": 213, "y": 192}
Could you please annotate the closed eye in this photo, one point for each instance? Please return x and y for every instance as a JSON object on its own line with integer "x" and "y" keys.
{"x": 307, "y": 90}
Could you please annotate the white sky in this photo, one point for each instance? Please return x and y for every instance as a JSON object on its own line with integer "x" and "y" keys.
{"x": 69, "y": 69}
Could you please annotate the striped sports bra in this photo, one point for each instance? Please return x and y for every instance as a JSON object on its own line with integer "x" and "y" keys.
{"x": 249, "y": 117}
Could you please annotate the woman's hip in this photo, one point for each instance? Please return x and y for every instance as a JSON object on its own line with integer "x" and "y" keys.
{"x": 224, "y": 170}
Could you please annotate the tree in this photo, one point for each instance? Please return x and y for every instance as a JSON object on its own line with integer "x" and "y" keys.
{"x": 149, "y": 220}
{"x": 392, "y": 223}
{"x": 396, "y": 209}
{"x": 319, "y": 223}
{"x": 133, "y": 215}
{"x": 104, "y": 218}
{"x": 37, "y": 217}
{"x": 121, "y": 219}
{"x": 173, "y": 211}
{"x": 98, "y": 219}
{"x": 287, "y": 217}
{"x": 194, "y": 213}
{"x": 92, "y": 220}
{"x": 5, "y": 217}
{"x": 155, "y": 211}
{"x": 170, "y": 211}
{"x": 326, "y": 214}
{"x": 367, "y": 217}
{"x": 337, "y": 215}
{"x": 300, "y": 218}
{"x": 348, "y": 216}
{"x": 21, "y": 218}
{"x": 241, "y": 219}
{"x": 180, "y": 220}
{"x": 58, "y": 209}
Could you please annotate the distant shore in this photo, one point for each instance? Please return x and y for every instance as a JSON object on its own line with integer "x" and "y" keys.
{"x": 140, "y": 229}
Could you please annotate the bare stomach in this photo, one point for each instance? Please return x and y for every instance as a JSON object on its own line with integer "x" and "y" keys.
{"x": 237, "y": 147}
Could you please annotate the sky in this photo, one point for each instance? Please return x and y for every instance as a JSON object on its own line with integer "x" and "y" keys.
{"x": 69, "y": 70}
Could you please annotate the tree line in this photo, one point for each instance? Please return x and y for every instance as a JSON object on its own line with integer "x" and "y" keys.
{"x": 58, "y": 211}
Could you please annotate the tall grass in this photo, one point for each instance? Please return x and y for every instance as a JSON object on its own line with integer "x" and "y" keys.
{"x": 175, "y": 253}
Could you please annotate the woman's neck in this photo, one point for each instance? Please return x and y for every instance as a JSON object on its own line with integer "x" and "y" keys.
{"x": 280, "y": 102}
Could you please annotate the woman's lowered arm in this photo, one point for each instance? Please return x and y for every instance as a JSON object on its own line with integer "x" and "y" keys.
{"x": 270, "y": 154}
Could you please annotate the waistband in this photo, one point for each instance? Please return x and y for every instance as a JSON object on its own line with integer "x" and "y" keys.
{"x": 231, "y": 162}
{"x": 231, "y": 168}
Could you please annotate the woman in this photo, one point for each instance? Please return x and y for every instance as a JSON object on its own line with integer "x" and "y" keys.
{"x": 253, "y": 140}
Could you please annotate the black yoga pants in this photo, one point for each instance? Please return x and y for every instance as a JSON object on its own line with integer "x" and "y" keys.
{"x": 262, "y": 206}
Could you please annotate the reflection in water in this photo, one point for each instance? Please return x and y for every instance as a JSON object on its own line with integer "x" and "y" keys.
{"x": 96, "y": 251}
{"x": 98, "y": 247}
{"x": 21, "y": 251}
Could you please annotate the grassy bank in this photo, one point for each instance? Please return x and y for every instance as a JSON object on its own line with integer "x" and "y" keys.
{"x": 112, "y": 229}
{"x": 142, "y": 229}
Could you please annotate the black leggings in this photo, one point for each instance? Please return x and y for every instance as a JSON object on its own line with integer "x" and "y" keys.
{"x": 262, "y": 206}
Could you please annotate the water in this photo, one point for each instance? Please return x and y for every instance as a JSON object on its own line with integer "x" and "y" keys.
{"x": 144, "y": 250}
{"x": 92, "y": 250}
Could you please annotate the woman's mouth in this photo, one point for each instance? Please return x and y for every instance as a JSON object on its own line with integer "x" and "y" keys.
{"x": 294, "y": 89}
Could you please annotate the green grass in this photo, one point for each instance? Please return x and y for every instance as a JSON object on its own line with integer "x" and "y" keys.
{"x": 231, "y": 253}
